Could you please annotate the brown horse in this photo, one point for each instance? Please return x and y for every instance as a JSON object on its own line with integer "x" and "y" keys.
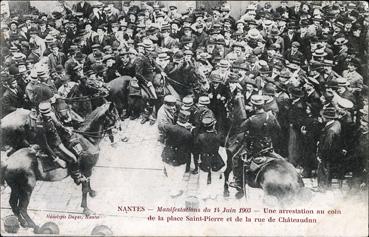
{"x": 23, "y": 169}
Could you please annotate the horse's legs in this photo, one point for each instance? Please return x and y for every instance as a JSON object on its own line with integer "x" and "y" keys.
{"x": 13, "y": 201}
{"x": 91, "y": 192}
{"x": 226, "y": 177}
{"x": 25, "y": 197}
{"x": 85, "y": 190}
{"x": 226, "y": 174}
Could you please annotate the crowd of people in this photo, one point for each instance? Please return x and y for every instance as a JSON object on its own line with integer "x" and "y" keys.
{"x": 288, "y": 81}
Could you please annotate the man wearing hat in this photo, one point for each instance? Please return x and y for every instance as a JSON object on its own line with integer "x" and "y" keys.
{"x": 35, "y": 53}
{"x": 13, "y": 97}
{"x": 343, "y": 90}
{"x": 102, "y": 38}
{"x": 173, "y": 13}
{"x": 55, "y": 58}
{"x": 250, "y": 89}
{"x": 202, "y": 111}
{"x": 211, "y": 163}
{"x": 294, "y": 54}
{"x": 125, "y": 65}
{"x": 84, "y": 7}
{"x": 270, "y": 105}
{"x": 166, "y": 41}
{"x": 188, "y": 105}
{"x": 262, "y": 129}
{"x": 66, "y": 86}
{"x": 177, "y": 151}
{"x": 223, "y": 71}
{"x": 329, "y": 152}
{"x": 297, "y": 116}
{"x": 145, "y": 67}
{"x": 97, "y": 16}
{"x": 112, "y": 68}
{"x": 219, "y": 94}
{"x": 52, "y": 143}
{"x": 353, "y": 77}
{"x": 166, "y": 115}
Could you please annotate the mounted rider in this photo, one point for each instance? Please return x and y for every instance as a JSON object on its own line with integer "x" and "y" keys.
{"x": 259, "y": 133}
{"x": 144, "y": 70}
{"x": 52, "y": 144}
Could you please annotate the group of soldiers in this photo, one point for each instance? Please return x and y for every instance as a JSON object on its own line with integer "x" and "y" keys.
{"x": 286, "y": 81}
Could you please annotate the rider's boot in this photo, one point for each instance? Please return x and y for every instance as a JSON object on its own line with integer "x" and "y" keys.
{"x": 76, "y": 175}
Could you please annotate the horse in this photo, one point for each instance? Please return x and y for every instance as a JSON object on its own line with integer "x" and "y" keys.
{"x": 15, "y": 127}
{"x": 277, "y": 177}
{"x": 118, "y": 92}
{"x": 119, "y": 89}
{"x": 23, "y": 169}
{"x": 87, "y": 96}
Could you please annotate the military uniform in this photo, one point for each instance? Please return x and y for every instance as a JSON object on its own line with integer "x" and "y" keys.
{"x": 261, "y": 131}
{"x": 52, "y": 144}
{"x": 208, "y": 143}
{"x": 177, "y": 151}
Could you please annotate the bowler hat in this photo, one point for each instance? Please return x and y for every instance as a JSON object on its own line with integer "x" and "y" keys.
{"x": 319, "y": 53}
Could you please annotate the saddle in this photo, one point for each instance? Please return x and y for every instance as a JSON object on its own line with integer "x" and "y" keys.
{"x": 254, "y": 167}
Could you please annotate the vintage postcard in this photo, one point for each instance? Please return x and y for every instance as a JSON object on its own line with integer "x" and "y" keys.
{"x": 184, "y": 118}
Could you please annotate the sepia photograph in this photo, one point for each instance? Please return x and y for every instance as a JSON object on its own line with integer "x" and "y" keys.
{"x": 184, "y": 118}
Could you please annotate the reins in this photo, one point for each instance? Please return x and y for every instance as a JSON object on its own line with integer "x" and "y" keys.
{"x": 92, "y": 134}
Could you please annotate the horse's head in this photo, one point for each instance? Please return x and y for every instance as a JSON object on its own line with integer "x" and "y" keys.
{"x": 97, "y": 88}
